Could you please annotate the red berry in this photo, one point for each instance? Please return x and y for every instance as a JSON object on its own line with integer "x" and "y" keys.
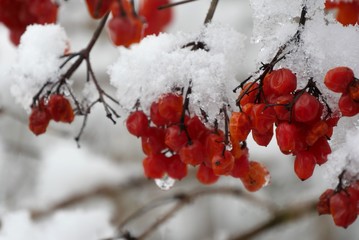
{"x": 205, "y": 175}
{"x": 241, "y": 167}
{"x": 121, "y": 31}
{"x": 98, "y": 8}
{"x": 354, "y": 90}
{"x": 282, "y": 112}
{"x": 39, "y": 120}
{"x": 342, "y": 209}
{"x": 323, "y": 204}
{"x": 318, "y": 130}
{"x": 192, "y": 153}
{"x": 222, "y": 164}
{"x": 256, "y": 178}
{"x": 60, "y": 109}
{"x": 287, "y": 135}
{"x": 176, "y": 168}
{"x": 262, "y": 118}
{"x": 170, "y": 107}
{"x": 338, "y": 79}
{"x": 175, "y": 138}
{"x": 17, "y": 15}
{"x": 238, "y": 150}
{"x": 304, "y": 165}
{"x": 214, "y": 145}
{"x": 306, "y": 108}
{"x": 154, "y": 141}
{"x": 348, "y": 13}
{"x": 137, "y": 123}
{"x": 154, "y": 166}
{"x": 155, "y": 116}
{"x": 156, "y": 19}
{"x": 263, "y": 139}
{"x": 239, "y": 126}
{"x": 196, "y": 129}
{"x": 347, "y": 106}
{"x": 248, "y": 94}
{"x": 321, "y": 150}
{"x": 279, "y": 82}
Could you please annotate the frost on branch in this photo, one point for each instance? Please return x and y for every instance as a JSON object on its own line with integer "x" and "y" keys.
{"x": 346, "y": 157}
{"x": 37, "y": 61}
{"x": 159, "y": 64}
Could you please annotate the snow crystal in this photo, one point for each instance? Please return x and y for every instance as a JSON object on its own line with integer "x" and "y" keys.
{"x": 37, "y": 60}
{"x": 160, "y": 63}
{"x": 345, "y": 157}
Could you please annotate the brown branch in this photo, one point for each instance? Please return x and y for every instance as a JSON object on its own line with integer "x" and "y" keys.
{"x": 280, "y": 55}
{"x": 211, "y": 11}
{"x": 290, "y": 213}
{"x": 183, "y": 199}
{"x": 109, "y": 192}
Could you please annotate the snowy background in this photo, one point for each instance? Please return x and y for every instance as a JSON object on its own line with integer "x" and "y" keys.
{"x": 37, "y": 173}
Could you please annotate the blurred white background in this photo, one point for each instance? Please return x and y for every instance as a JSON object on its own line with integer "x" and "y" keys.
{"x": 38, "y": 172}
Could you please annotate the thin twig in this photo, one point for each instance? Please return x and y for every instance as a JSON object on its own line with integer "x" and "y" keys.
{"x": 109, "y": 192}
{"x": 288, "y": 214}
{"x": 211, "y": 11}
{"x": 182, "y": 200}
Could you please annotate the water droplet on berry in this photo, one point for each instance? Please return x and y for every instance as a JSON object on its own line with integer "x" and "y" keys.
{"x": 229, "y": 147}
{"x": 267, "y": 179}
{"x": 165, "y": 183}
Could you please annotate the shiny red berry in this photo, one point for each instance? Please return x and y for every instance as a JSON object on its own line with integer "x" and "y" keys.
{"x": 137, "y": 123}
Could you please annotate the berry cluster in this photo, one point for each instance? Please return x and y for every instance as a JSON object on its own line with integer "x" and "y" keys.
{"x": 156, "y": 19}
{"x": 342, "y": 203}
{"x": 17, "y": 15}
{"x": 298, "y": 114}
{"x": 347, "y": 11}
{"x": 126, "y": 25}
{"x": 342, "y": 80}
{"x": 57, "y": 108}
{"x": 172, "y": 140}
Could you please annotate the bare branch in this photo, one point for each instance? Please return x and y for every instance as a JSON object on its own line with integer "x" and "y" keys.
{"x": 288, "y": 214}
{"x": 183, "y": 199}
{"x": 211, "y": 11}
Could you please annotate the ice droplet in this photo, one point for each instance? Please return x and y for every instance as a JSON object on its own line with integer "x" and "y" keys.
{"x": 165, "y": 183}
{"x": 229, "y": 147}
{"x": 66, "y": 92}
{"x": 267, "y": 180}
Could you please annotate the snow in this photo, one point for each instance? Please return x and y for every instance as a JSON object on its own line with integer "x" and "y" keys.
{"x": 344, "y": 157}
{"x": 70, "y": 225}
{"x": 37, "y": 60}
{"x": 145, "y": 71}
{"x": 159, "y": 64}
{"x": 67, "y": 171}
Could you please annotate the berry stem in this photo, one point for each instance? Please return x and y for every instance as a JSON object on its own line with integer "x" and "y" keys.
{"x": 211, "y": 11}
{"x": 280, "y": 55}
{"x": 184, "y": 109}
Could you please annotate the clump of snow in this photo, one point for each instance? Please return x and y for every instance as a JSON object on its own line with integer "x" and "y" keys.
{"x": 345, "y": 157}
{"x": 70, "y": 225}
{"x": 37, "y": 60}
{"x": 160, "y": 63}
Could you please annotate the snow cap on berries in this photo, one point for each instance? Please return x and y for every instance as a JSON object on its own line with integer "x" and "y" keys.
{"x": 161, "y": 63}
{"x": 38, "y": 60}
